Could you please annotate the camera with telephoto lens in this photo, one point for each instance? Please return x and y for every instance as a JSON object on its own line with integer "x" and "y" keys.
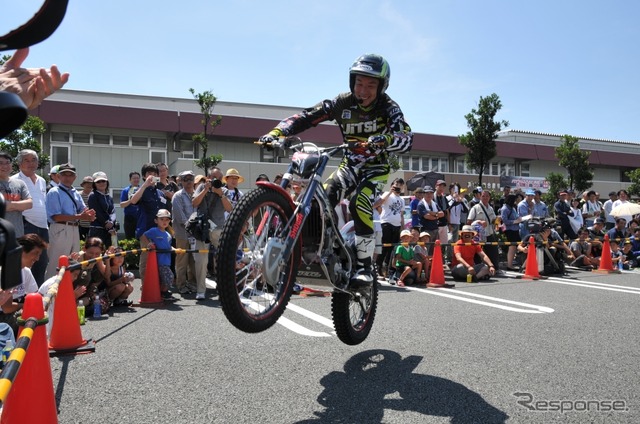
{"x": 215, "y": 183}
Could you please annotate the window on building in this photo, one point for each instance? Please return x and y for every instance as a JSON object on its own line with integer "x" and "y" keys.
{"x": 60, "y": 136}
{"x": 140, "y": 142}
{"x": 121, "y": 140}
{"x": 59, "y": 154}
{"x": 158, "y": 142}
{"x": 101, "y": 139}
{"x": 81, "y": 138}
{"x": 115, "y": 194}
{"x": 187, "y": 149}
{"x": 525, "y": 170}
{"x": 157, "y": 156}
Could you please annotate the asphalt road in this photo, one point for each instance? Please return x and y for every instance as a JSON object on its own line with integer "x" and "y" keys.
{"x": 555, "y": 350}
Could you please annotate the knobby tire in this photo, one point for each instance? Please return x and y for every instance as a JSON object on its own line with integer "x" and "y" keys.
{"x": 248, "y": 302}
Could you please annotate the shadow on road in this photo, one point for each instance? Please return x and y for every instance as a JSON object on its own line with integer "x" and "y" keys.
{"x": 377, "y": 380}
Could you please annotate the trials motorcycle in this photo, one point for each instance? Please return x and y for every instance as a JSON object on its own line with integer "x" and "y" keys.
{"x": 269, "y": 242}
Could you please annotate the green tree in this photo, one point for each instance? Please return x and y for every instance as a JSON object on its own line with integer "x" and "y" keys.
{"x": 481, "y": 140}
{"x": 556, "y": 183}
{"x": 576, "y": 162}
{"x": 25, "y": 137}
{"x": 634, "y": 177}
{"x": 207, "y": 101}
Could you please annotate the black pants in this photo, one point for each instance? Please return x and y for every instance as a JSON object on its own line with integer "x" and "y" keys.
{"x": 40, "y": 267}
{"x": 492, "y": 251}
{"x": 130, "y": 224}
{"x": 390, "y": 236}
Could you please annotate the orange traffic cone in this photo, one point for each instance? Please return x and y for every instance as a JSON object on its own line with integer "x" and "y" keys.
{"x": 151, "y": 284}
{"x": 606, "y": 264}
{"x": 531, "y": 267}
{"x": 436, "y": 277}
{"x": 34, "y": 376}
{"x": 66, "y": 336}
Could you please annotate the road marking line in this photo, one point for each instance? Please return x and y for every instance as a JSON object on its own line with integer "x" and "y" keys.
{"x": 286, "y": 322}
{"x": 297, "y": 328}
{"x": 535, "y": 309}
{"x": 311, "y": 315}
{"x": 594, "y": 285}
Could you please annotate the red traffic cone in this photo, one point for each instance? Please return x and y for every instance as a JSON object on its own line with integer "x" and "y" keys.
{"x": 66, "y": 336}
{"x": 606, "y": 263}
{"x": 34, "y": 376}
{"x": 309, "y": 292}
{"x": 151, "y": 284}
{"x": 531, "y": 267}
{"x": 436, "y": 277}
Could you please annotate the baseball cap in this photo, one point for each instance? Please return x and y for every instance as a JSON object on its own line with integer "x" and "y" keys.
{"x": 163, "y": 213}
{"x": 530, "y": 192}
{"x": 440, "y": 182}
{"x": 424, "y": 233}
{"x": 87, "y": 179}
{"x": 404, "y": 233}
{"x": 54, "y": 169}
{"x": 100, "y": 176}
{"x": 599, "y": 221}
{"x": 66, "y": 167}
{"x": 185, "y": 173}
{"x": 418, "y": 190}
{"x": 428, "y": 189}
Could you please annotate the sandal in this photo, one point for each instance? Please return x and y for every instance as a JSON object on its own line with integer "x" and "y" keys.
{"x": 400, "y": 283}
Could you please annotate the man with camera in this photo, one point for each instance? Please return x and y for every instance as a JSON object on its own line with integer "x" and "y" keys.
{"x": 210, "y": 200}
{"x": 149, "y": 200}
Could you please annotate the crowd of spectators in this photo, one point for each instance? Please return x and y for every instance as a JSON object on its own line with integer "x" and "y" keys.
{"x": 572, "y": 233}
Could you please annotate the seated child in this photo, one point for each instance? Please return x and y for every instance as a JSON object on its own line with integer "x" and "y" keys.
{"x": 421, "y": 252}
{"x": 617, "y": 255}
{"x": 117, "y": 279}
{"x": 405, "y": 262}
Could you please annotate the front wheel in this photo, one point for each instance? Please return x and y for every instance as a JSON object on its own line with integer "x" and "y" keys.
{"x": 254, "y": 282}
{"x": 353, "y": 313}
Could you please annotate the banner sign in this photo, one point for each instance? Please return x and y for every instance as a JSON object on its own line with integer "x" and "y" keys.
{"x": 524, "y": 183}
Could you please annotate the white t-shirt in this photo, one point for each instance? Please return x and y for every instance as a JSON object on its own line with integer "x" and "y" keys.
{"x": 392, "y": 210}
{"x": 28, "y": 285}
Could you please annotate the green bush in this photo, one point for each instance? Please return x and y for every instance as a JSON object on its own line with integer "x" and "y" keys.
{"x": 131, "y": 260}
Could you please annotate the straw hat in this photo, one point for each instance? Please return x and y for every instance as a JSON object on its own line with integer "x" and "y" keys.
{"x": 232, "y": 172}
{"x": 468, "y": 229}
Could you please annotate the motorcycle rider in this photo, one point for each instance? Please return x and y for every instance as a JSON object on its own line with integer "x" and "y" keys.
{"x": 369, "y": 116}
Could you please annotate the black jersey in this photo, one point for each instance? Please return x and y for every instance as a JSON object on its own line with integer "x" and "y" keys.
{"x": 384, "y": 117}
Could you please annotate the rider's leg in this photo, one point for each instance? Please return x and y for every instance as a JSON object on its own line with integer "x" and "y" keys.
{"x": 361, "y": 208}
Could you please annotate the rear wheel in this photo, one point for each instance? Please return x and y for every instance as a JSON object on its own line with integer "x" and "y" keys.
{"x": 354, "y": 312}
{"x": 251, "y": 301}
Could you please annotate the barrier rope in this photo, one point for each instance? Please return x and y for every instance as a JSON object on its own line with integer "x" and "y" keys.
{"x": 11, "y": 368}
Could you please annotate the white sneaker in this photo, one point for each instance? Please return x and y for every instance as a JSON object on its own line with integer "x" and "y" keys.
{"x": 200, "y": 296}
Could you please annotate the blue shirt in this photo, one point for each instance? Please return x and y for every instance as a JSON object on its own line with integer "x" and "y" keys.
{"x": 150, "y": 203}
{"x": 63, "y": 201}
{"x": 162, "y": 240}
{"x": 124, "y": 196}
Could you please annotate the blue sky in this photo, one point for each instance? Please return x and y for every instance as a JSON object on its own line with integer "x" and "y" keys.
{"x": 564, "y": 67}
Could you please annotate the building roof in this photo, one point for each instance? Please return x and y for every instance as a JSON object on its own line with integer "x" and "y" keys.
{"x": 175, "y": 115}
